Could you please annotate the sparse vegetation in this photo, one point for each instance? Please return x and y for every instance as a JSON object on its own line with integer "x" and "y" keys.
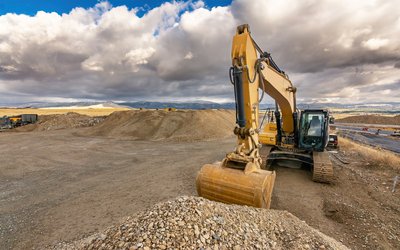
{"x": 371, "y": 119}
{"x": 374, "y": 156}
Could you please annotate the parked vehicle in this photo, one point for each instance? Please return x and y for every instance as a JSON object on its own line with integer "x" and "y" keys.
{"x": 333, "y": 141}
{"x": 396, "y": 133}
{"x": 8, "y": 122}
{"x": 5, "y": 123}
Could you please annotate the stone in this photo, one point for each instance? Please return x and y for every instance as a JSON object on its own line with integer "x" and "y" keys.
{"x": 197, "y": 223}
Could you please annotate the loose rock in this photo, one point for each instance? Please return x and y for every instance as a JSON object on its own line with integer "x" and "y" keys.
{"x": 241, "y": 227}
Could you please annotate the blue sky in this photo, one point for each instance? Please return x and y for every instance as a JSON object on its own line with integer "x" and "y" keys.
{"x": 30, "y": 7}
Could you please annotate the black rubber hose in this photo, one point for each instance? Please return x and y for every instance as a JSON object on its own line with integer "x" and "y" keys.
{"x": 278, "y": 124}
{"x": 238, "y": 80}
{"x": 232, "y": 79}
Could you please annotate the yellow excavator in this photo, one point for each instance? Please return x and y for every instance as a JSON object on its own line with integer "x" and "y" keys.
{"x": 244, "y": 176}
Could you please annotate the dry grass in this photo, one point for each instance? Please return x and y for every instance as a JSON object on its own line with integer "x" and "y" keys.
{"x": 341, "y": 115}
{"x": 375, "y": 156}
{"x": 41, "y": 111}
{"x": 338, "y": 116}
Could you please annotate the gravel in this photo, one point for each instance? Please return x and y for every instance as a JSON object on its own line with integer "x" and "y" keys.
{"x": 197, "y": 223}
{"x": 61, "y": 121}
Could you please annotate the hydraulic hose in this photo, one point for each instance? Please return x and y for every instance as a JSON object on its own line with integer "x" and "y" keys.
{"x": 239, "y": 99}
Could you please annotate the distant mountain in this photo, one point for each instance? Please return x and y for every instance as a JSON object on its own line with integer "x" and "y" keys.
{"x": 180, "y": 105}
{"x": 66, "y": 104}
{"x": 384, "y": 107}
{"x": 389, "y": 108}
{"x": 53, "y": 104}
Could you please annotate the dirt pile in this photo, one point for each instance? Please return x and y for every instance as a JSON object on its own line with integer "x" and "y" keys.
{"x": 181, "y": 125}
{"x": 62, "y": 121}
{"x": 371, "y": 119}
{"x": 197, "y": 223}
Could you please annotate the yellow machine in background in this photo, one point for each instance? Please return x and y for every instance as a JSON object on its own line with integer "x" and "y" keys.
{"x": 8, "y": 122}
{"x": 170, "y": 109}
{"x": 239, "y": 178}
{"x": 269, "y": 131}
{"x": 289, "y": 135}
{"x": 15, "y": 119}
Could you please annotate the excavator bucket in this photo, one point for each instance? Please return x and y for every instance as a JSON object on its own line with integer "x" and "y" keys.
{"x": 235, "y": 186}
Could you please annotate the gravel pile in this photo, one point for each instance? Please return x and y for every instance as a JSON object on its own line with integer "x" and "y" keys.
{"x": 62, "y": 121}
{"x": 197, "y": 223}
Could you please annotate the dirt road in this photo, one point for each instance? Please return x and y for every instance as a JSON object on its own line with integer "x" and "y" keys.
{"x": 57, "y": 186}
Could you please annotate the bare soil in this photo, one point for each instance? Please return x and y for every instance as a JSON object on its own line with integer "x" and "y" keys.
{"x": 156, "y": 125}
{"x": 55, "y": 186}
{"x": 358, "y": 209}
{"x": 62, "y": 185}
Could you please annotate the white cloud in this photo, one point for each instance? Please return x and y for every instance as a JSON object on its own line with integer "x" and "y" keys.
{"x": 375, "y": 43}
{"x": 139, "y": 57}
{"x": 91, "y": 64}
{"x": 332, "y": 50}
{"x": 188, "y": 56}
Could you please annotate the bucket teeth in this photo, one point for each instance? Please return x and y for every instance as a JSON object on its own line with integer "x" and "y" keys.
{"x": 234, "y": 186}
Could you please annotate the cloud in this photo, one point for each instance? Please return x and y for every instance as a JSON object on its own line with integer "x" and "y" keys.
{"x": 375, "y": 43}
{"x": 332, "y": 50}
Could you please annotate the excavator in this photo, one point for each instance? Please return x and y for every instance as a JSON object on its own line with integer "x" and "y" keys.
{"x": 245, "y": 176}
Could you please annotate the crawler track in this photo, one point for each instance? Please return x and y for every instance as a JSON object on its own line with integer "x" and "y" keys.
{"x": 323, "y": 168}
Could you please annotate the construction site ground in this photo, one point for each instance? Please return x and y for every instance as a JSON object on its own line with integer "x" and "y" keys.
{"x": 63, "y": 185}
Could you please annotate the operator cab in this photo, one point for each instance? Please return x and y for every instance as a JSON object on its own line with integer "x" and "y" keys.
{"x": 313, "y": 127}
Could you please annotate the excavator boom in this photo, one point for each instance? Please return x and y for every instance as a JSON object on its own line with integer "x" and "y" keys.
{"x": 280, "y": 88}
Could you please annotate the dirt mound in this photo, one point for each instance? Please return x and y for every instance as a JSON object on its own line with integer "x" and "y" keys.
{"x": 372, "y": 119}
{"x": 181, "y": 125}
{"x": 197, "y": 223}
{"x": 62, "y": 121}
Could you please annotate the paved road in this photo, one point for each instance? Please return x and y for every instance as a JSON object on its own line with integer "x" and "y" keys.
{"x": 382, "y": 141}
{"x": 355, "y": 128}
{"x": 393, "y": 126}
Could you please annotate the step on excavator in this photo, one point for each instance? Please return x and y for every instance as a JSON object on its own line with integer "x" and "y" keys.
{"x": 246, "y": 176}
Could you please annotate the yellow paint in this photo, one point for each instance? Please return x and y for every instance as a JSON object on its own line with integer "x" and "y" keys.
{"x": 239, "y": 178}
{"x": 278, "y": 86}
{"x": 244, "y": 55}
{"x": 268, "y": 135}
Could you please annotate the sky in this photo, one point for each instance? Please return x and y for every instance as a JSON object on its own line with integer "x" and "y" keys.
{"x": 31, "y": 7}
{"x": 333, "y": 50}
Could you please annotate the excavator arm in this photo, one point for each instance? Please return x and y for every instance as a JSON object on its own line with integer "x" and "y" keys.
{"x": 264, "y": 74}
{"x": 239, "y": 178}
{"x": 251, "y": 74}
